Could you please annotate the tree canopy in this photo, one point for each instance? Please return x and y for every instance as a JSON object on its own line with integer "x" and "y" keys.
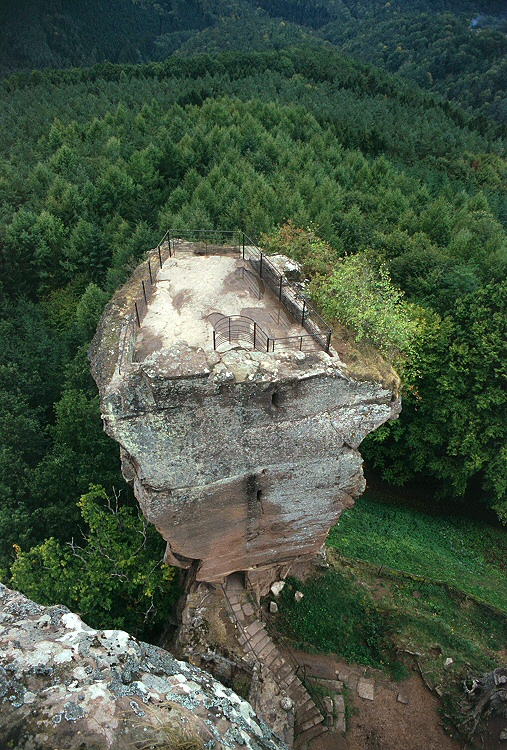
{"x": 380, "y": 188}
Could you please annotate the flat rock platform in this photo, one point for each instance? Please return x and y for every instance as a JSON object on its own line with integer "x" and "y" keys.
{"x": 192, "y": 291}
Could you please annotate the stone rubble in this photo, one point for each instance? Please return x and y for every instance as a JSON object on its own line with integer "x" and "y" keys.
{"x": 366, "y": 688}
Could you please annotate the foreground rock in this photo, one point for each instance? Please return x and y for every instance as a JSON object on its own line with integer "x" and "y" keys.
{"x": 64, "y": 685}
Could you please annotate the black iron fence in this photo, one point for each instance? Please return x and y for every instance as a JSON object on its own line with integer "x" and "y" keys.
{"x": 235, "y": 328}
{"x": 134, "y": 319}
{"x": 288, "y": 294}
{"x": 245, "y": 331}
{"x": 205, "y": 241}
{"x": 239, "y": 328}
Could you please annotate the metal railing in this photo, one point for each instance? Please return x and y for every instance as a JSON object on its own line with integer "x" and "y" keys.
{"x": 209, "y": 241}
{"x": 239, "y": 328}
{"x": 206, "y": 241}
{"x": 288, "y": 294}
{"x": 246, "y": 331}
{"x": 134, "y": 319}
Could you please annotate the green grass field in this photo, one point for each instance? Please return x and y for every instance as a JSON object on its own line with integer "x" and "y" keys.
{"x": 466, "y": 554}
{"x": 406, "y": 589}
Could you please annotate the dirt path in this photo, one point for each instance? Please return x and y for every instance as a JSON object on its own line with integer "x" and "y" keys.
{"x": 401, "y": 716}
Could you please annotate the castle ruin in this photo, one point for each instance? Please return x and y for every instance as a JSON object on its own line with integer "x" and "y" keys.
{"x": 239, "y": 425}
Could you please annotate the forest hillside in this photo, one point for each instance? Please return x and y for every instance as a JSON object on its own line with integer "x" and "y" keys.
{"x": 98, "y": 162}
{"x": 361, "y": 172}
{"x": 458, "y": 49}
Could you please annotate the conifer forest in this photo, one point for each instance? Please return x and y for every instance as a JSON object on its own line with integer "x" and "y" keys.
{"x": 366, "y": 139}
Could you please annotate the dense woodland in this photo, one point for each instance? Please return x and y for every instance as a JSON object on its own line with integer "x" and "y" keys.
{"x": 364, "y": 172}
{"x": 457, "y": 48}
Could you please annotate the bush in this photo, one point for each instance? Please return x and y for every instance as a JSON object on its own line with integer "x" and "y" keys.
{"x": 116, "y": 579}
{"x": 360, "y": 295}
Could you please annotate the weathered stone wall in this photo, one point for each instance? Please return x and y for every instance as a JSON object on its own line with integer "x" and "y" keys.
{"x": 243, "y": 459}
{"x": 64, "y": 685}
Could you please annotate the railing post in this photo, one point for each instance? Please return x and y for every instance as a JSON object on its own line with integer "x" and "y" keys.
{"x": 144, "y": 293}
{"x": 243, "y": 245}
{"x": 267, "y": 344}
{"x": 214, "y": 340}
{"x": 303, "y": 313}
{"x": 328, "y": 342}
{"x": 149, "y": 270}
{"x": 300, "y": 343}
{"x": 137, "y": 315}
{"x": 160, "y": 256}
{"x": 255, "y": 332}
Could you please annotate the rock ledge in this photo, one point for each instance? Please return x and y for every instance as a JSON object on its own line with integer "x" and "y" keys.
{"x": 65, "y": 685}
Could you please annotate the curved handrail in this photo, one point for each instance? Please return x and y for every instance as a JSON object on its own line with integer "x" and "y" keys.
{"x": 239, "y": 328}
{"x": 289, "y": 296}
{"x": 245, "y": 330}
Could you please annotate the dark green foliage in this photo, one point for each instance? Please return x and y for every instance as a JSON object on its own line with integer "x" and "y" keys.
{"x": 113, "y": 577}
{"x": 98, "y": 162}
{"x": 455, "y": 407}
{"x": 456, "y": 51}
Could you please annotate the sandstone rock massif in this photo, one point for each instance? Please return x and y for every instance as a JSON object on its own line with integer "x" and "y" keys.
{"x": 242, "y": 459}
{"x": 66, "y": 686}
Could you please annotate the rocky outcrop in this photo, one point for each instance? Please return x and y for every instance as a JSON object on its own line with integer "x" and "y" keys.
{"x": 64, "y": 685}
{"x": 242, "y": 459}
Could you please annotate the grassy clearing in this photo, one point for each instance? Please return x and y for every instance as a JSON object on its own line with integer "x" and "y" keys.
{"x": 334, "y": 616}
{"x": 392, "y": 623}
{"x": 460, "y": 552}
{"x": 428, "y": 620}
{"x": 368, "y": 614}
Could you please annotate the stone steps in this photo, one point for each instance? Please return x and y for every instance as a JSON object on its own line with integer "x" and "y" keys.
{"x": 308, "y": 717}
{"x": 252, "y": 635}
{"x": 310, "y": 734}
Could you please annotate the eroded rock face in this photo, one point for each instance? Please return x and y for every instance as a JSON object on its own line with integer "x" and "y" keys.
{"x": 243, "y": 460}
{"x": 64, "y": 685}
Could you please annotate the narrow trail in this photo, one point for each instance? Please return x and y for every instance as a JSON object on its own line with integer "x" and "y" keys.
{"x": 252, "y": 635}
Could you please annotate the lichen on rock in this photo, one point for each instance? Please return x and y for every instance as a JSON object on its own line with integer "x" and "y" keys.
{"x": 65, "y": 685}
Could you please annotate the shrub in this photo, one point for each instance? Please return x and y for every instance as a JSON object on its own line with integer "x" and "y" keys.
{"x": 360, "y": 295}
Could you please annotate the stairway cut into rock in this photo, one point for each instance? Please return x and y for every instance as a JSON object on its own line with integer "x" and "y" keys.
{"x": 260, "y": 647}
